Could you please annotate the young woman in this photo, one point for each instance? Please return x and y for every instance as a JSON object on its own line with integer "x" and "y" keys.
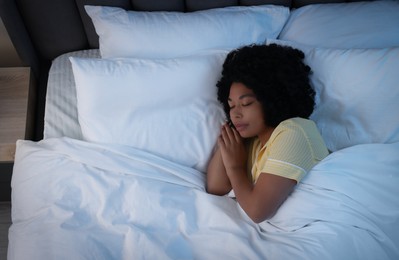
{"x": 268, "y": 144}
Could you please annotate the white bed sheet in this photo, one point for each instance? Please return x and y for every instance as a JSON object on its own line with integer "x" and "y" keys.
{"x": 61, "y": 117}
{"x": 115, "y": 202}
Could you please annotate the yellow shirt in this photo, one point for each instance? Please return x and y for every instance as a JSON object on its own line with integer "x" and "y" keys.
{"x": 294, "y": 147}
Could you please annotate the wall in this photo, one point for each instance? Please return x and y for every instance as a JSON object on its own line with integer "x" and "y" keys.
{"x": 8, "y": 54}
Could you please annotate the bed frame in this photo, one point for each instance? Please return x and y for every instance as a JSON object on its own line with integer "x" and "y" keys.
{"x": 43, "y": 30}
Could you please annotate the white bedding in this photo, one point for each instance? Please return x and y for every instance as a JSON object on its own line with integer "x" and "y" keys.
{"x": 78, "y": 200}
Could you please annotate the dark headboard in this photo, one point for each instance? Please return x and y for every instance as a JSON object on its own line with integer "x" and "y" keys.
{"x": 41, "y": 30}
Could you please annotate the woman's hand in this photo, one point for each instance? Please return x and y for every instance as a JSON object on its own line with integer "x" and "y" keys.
{"x": 217, "y": 181}
{"x": 233, "y": 150}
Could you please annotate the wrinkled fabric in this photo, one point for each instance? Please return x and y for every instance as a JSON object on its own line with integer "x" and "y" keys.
{"x": 77, "y": 200}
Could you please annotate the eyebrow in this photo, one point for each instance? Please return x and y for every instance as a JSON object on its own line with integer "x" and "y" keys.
{"x": 243, "y": 96}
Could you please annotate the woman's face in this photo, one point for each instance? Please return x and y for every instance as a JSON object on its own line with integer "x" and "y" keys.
{"x": 246, "y": 112}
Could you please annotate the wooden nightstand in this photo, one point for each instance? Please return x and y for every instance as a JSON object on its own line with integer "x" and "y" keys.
{"x": 16, "y": 109}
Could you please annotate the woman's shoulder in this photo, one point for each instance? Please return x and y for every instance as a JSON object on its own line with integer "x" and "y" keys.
{"x": 297, "y": 126}
{"x": 306, "y": 131}
{"x": 297, "y": 122}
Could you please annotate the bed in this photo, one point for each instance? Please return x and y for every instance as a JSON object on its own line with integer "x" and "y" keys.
{"x": 128, "y": 119}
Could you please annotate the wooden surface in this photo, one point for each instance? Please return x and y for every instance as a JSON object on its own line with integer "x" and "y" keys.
{"x": 16, "y": 109}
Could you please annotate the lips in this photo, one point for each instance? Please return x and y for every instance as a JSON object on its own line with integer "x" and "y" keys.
{"x": 240, "y": 127}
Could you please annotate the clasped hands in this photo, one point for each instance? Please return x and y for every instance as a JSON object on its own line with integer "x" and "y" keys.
{"x": 232, "y": 149}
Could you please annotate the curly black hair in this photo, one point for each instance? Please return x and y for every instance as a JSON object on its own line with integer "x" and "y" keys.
{"x": 278, "y": 77}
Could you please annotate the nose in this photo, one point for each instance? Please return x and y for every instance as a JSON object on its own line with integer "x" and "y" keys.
{"x": 236, "y": 112}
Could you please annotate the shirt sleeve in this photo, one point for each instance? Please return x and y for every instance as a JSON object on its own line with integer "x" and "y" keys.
{"x": 289, "y": 155}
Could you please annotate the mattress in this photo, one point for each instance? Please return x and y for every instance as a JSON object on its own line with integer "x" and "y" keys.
{"x": 61, "y": 116}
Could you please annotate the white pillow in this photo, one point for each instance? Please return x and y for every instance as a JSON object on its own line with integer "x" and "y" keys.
{"x": 172, "y": 34}
{"x": 357, "y": 94}
{"x": 345, "y": 25}
{"x": 167, "y": 107}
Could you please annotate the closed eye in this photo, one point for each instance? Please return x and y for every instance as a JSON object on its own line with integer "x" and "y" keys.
{"x": 247, "y": 104}
{"x": 243, "y": 105}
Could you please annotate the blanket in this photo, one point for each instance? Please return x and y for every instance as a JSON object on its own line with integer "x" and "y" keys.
{"x": 77, "y": 200}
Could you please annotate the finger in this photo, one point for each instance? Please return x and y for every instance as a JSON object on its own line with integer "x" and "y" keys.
{"x": 223, "y": 138}
{"x": 229, "y": 132}
{"x": 220, "y": 142}
{"x": 225, "y": 135}
{"x": 237, "y": 135}
{"x": 234, "y": 135}
{"x": 222, "y": 145}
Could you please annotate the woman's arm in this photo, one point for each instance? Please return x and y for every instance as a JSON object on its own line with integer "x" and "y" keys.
{"x": 217, "y": 181}
{"x": 259, "y": 201}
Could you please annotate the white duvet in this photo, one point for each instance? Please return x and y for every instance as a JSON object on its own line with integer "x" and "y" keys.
{"x": 76, "y": 200}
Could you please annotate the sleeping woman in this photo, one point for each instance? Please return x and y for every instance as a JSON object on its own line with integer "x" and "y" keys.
{"x": 268, "y": 144}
